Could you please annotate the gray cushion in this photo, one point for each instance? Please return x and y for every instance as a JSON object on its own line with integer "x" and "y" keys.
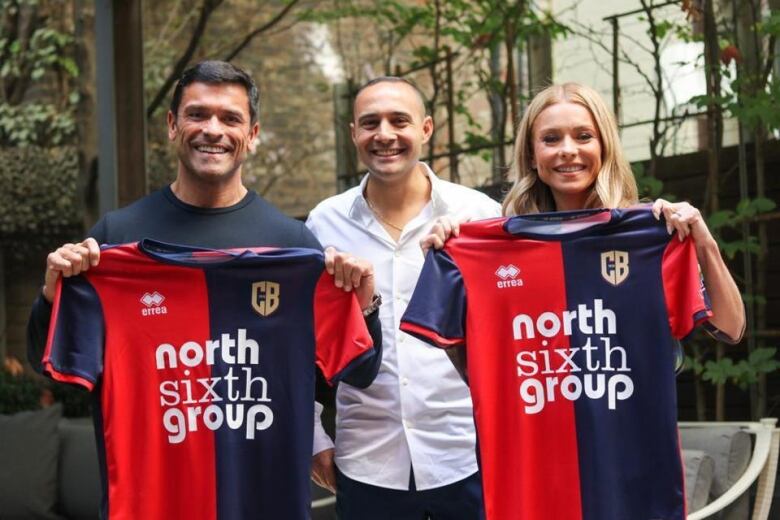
{"x": 699, "y": 470}
{"x": 79, "y": 471}
{"x": 29, "y": 447}
{"x": 730, "y": 448}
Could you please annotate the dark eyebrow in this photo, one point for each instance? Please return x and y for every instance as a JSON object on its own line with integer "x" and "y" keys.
{"x": 233, "y": 113}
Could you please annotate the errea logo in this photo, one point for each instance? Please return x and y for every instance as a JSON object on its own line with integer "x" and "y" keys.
{"x": 153, "y": 304}
{"x": 508, "y": 277}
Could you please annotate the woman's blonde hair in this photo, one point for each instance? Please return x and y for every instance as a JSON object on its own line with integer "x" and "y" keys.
{"x": 614, "y": 187}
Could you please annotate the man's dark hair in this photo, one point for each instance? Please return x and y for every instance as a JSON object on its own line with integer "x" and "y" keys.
{"x": 395, "y": 79}
{"x": 215, "y": 72}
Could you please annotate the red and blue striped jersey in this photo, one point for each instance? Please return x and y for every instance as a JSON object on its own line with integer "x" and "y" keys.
{"x": 203, "y": 365}
{"x": 569, "y": 321}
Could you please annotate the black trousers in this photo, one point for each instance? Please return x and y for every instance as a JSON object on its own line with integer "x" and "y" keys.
{"x": 460, "y": 500}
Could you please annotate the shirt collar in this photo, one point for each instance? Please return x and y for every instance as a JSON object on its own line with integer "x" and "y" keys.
{"x": 360, "y": 207}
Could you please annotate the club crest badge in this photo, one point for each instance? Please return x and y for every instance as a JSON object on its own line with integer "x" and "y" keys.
{"x": 265, "y": 297}
{"x": 614, "y": 266}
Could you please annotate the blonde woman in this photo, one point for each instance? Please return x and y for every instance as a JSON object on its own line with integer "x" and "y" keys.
{"x": 568, "y": 322}
{"x": 567, "y": 156}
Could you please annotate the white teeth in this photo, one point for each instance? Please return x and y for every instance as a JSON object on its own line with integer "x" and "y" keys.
{"x": 567, "y": 169}
{"x": 387, "y": 153}
{"x": 210, "y": 149}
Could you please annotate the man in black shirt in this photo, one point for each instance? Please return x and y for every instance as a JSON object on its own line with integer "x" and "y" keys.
{"x": 213, "y": 125}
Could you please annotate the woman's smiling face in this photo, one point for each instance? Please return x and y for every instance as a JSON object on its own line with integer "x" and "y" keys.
{"x": 566, "y": 148}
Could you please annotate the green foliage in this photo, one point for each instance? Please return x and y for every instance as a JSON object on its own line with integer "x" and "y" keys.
{"x": 755, "y": 101}
{"x": 46, "y": 51}
{"x": 681, "y": 31}
{"x": 649, "y": 187}
{"x": 36, "y": 57}
{"x": 19, "y": 393}
{"x": 770, "y": 25}
{"x": 744, "y": 372}
{"x": 35, "y": 124}
{"x": 746, "y": 210}
{"x": 38, "y": 201}
{"x": 694, "y": 364}
{"x": 76, "y": 401}
{"x": 23, "y": 392}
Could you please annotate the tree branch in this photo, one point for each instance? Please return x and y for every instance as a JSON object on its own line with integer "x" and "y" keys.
{"x": 206, "y": 10}
{"x": 268, "y": 25}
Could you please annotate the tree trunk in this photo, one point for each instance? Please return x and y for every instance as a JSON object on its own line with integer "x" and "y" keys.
{"x": 700, "y": 389}
{"x": 714, "y": 143}
{"x": 749, "y": 70}
{"x": 497, "y": 114}
{"x": 511, "y": 82}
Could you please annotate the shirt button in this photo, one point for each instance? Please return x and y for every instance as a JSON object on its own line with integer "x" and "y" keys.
{"x": 407, "y": 423}
{"x": 397, "y": 253}
{"x": 401, "y": 338}
{"x": 405, "y": 381}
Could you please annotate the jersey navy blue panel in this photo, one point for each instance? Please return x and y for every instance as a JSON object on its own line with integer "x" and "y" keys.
{"x": 439, "y": 275}
{"x": 610, "y": 465}
{"x": 81, "y": 325}
{"x": 285, "y": 493}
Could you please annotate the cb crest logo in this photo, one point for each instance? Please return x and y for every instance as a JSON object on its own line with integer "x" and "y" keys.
{"x": 265, "y": 297}
{"x": 614, "y": 266}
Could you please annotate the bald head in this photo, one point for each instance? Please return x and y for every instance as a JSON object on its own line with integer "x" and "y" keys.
{"x": 389, "y": 128}
{"x": 396, "y": 82}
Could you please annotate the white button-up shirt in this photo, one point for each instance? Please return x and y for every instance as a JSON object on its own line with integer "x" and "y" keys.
{"x": 418, "y": 412}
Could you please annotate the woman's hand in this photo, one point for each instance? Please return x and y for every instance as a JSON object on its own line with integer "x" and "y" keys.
{"x": 685, "y": 219}
{"x": 728, "y": 311}
{"x": 444, "y": 228}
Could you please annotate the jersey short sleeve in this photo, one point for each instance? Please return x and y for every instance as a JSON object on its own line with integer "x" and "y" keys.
{"x": 343, "y": 341}
{"x": 437, "y": 311}
{"x": 74, "y": 347}
{"x": 687, "y": 303}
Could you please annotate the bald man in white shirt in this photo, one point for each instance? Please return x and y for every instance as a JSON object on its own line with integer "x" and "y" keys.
{"x": 405, "y": 446}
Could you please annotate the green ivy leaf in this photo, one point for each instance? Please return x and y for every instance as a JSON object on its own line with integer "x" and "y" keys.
{"x": 720, "y": 218}
{"x": 763, "y": 205}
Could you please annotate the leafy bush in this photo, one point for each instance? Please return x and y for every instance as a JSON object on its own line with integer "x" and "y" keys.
{"x": 27, "y": 392}
{"x": 39, "y": 200}
{"x": 19, "y": 393}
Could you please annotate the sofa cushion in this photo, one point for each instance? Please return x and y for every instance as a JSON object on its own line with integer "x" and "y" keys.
{"x": 29, "y": 447}
{"x": 79, "y": 471}
{"x": 730, "y": 448}
{"x": 699, "y": 470}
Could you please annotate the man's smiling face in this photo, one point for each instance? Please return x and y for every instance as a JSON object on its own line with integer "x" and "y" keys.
{"x": 212, "y": 131}
{"x": 390, "y": 128}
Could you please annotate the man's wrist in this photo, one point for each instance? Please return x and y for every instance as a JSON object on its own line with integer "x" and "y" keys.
{"x": 48, "y": 298}
{"x": 373, "y": 305}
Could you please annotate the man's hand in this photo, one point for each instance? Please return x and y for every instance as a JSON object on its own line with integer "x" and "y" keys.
{"x": 69, "y": 260}
{"x": 323, "y": 470}
{"x": 350, "y": 273}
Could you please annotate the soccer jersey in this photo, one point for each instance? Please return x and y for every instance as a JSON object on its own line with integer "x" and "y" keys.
{"x": 204, "y": 366}
{"x": 569, "y": 321}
